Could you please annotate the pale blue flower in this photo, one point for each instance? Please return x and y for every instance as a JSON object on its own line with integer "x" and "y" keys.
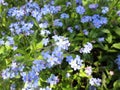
{"x": 45, "y": 41}
{"x": 53, "y": 80}
{"x": 76, "y": 63}
{"x": 62, "y": 42}
{"x": 92, "y": 88}
{"x": 10, "y": 41}
{"x": 103, "y": 20}
{"x": 45, "y": 32}
{"x": 39, "y": 17}
{"x": 54, "y": 9}
{"x": 49, "y": 9}
{"x": 77, "y": 27}
{"x": 68, "y": 4}
{"x": 34, "y": 13}
{"x": 18, "y": 13}
{"x": 51, "y": 61}
{"x": 86, "y": 32}
{"x": 38, "y": 65}
{"x": 14, "y": 48}
{"x": 64, "y": 16}
{"x": 105, "y": 10}
{"x": 30, "y": 79}
{"x": 118, "y": 61}
{"x": 93, "y": 6}
{"x": 45, "y": 54}
{"x": 2, "y": 2}
{"x": 29, "y": 9}
{"x": 2, "y": 42}
{"x": 118, "y": 12}
{"x": 85, "y": 19}
{"x": 97, "y": 23}
{"x": 98, "y": 20}
{"x": 87, "y": 48}
{"x": 95, "y": 81}
{"x": 79, "y": 2}
{"x": 43, "y": 25}
{"x": 21, "y": 28}
{"x": 6, "y": 73}
{"x": 70, "y": 29}
{"x": 12, "y": 71}
{"x": 101, "y": 39}
{"x": 59, "y": 54}
{"x": 80, "y": 10}
{"x": 55, "y": 37}
{"x": 13, "y": 87}
{"x": 12, "y": 11}
{"x": 58, "y": 23}
{"x": 69, "y": 59}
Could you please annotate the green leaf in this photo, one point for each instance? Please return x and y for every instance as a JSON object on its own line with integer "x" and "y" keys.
{"x": 8, "y": 47}
{"x": 116, "y": 45}
{"x": 117, "y": 31}
{"x": 2, "y": 50}
{"x": 105, "y": 31}
{"x": 104, "y": 80}
{"x": 93, "y": 33}
{"x": 109, "y": 38}
{"x": 116, "y": 84}
{"x": 39, "y": 45}
{"x": 112, "y": 50}
{"x": 40, "y": 57}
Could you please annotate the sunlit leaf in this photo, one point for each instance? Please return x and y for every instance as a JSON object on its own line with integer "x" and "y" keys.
{"x": 116, "y": 45}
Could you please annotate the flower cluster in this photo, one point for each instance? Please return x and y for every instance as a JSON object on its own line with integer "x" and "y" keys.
{"x": 80, "y": 10}
{"x": 2, "y": 2}
{"x": 13, "y": 70}
{"x": 53, "y": 58}
{"x": 95, "y": 81}
{"x": 21, "y": 28}
{"x": 33, "y": 9}
{"x": 105, "y": 10}
{"x": 25, "y": 10}
{"x": 87, "y": 48}
{"x": 76, "y": 63}
{"x": 61, "y": 42}
{"x": 58, "y": 23}
{"x": 96, "y": 20}
{"x": 8, "y": 41}
{"x": 30, "y": 79}
{"x": 64, "y": 15}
